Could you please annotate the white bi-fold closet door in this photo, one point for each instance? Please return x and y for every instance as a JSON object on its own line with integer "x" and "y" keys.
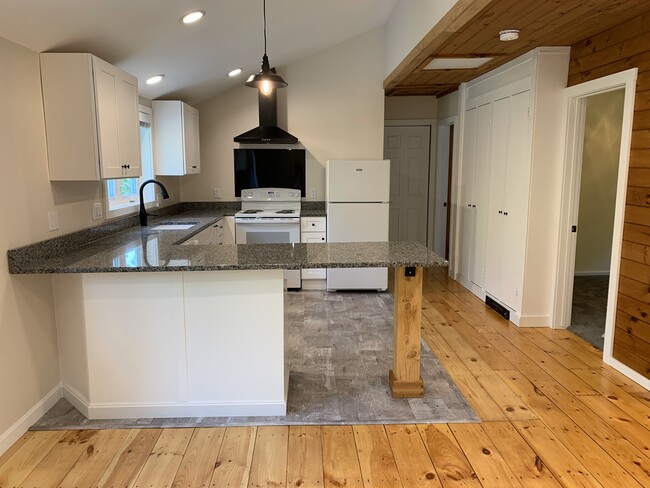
{"x": 474, "y": 188}
{"x": 508, "y": 199}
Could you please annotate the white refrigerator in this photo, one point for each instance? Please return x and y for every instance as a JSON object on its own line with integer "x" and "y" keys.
{"x": 357, "y": 195}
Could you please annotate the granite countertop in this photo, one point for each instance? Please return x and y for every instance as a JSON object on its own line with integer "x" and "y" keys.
{"x": 137, "y": 249}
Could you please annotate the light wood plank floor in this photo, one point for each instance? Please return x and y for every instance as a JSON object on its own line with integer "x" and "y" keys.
{"x": 552, "y": 415}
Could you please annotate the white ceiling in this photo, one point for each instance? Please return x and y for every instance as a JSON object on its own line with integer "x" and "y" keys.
{"x": 144, "y": 37}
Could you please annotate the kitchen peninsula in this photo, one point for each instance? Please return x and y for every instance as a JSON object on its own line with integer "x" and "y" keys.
{"x": 151, "y": 328}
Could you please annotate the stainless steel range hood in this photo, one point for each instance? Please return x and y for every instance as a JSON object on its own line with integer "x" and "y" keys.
{"x": 268, "y": 131}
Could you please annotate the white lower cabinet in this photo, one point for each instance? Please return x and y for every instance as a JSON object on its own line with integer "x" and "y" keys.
{"x": 509, "y": 184}
{"x": 313, "y": 230}
{"x": 176, "y": 344}
{"x": 220, "y": 232}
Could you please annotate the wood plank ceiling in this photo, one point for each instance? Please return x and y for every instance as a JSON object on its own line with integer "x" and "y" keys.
{"x": 471, "y": 29}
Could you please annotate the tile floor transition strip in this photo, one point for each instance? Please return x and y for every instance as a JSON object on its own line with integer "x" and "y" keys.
{"x": 340, "y": 351}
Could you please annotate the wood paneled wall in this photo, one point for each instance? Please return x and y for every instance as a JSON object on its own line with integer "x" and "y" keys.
{"x": 622, "y": 47}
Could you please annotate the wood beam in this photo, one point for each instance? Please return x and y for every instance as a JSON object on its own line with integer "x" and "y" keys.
{"x": 459, "y": 15}
{"x": 405, "y": 379}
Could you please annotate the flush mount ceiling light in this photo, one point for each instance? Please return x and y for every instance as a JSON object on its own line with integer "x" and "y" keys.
{"x": 267, "y": 79}
{"x": 509, "y": 35}
{"x": 191, "y": 17}
{"x": 457, "y": 63}
{"x": 235, "y": 72}
{"x": 154, "y": 79}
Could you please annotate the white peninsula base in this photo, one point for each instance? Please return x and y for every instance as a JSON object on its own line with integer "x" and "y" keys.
{"x": 173, "y": 344}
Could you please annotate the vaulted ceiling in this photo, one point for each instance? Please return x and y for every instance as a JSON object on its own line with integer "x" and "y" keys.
{"x": 471, "y": 29}
{"x": 144, "y": 37}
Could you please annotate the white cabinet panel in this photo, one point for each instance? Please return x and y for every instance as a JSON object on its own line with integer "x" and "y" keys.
{"x": 470, "y": 135}
{"x": 175, "y": 131}
{"x": 91, "y": 115}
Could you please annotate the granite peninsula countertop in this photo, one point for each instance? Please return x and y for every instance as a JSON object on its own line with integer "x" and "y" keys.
{"x": 142, "y": 249}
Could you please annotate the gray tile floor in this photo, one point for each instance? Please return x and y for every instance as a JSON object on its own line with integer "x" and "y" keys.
{"x": 589, "y": 308}
{"x": 340, "y": 351}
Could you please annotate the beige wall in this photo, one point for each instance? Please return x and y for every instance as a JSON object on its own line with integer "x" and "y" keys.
{"x": 334, "y": 104}
{"x": 410, "y": 108}
{"x": 602, "y": 142}
{"x": 448, "y": 106}
{"x": 29, "y": 363}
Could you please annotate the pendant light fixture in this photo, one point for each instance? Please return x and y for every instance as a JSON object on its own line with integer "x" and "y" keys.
{"x": 267, "y": 79}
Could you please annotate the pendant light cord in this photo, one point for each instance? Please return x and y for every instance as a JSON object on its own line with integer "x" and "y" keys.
{"x": 264, "y": 10}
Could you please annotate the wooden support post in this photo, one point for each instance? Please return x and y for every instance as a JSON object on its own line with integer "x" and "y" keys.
{"x": 405, "y": 380}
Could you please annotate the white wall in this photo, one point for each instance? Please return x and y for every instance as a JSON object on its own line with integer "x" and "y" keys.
{"x": 410, "y": 108}
{"x": 448, "y": 106}
{"x": 334, "y": 104}
{"x": 410, "y": 21}
{"x": 29, "y": 363}
{"x": 602, "y": 141}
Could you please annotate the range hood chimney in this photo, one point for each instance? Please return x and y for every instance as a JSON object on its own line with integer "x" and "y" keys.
{"x": 268, "y": 131}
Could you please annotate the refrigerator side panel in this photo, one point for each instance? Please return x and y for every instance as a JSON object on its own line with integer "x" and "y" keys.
{"x": 357, "y": 222}
{"x": 358, "y": 181}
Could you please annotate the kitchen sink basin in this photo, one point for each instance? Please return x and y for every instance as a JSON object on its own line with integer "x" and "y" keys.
{"x": 175, "y": 226}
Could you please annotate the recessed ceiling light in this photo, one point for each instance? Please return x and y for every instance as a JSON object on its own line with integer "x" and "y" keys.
{"x": 154, "y": 79}
{"x": 235, "y": 72}
{"x": 509, "y": 35}
{"x": 191, "y": 17}
{"x": 457, "y": 63}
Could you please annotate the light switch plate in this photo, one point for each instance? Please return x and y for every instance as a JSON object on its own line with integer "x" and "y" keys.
{"x": 53, "y": 220}
{"x": 313, "y": 193}
{"x": 217, "y": 193}
{"x": 97, "y": 211}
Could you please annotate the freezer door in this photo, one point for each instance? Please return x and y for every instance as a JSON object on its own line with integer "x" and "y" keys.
{"x": 357, "y": 222}
{"x": 357, "y": 181}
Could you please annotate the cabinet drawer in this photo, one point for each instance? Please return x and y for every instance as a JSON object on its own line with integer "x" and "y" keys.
{"x": 314, "y": 274}
{"x": 309, "y": 224}
{"x": 311, "y": 237}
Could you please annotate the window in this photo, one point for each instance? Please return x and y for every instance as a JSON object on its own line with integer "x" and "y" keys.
{"x": 121, "y": 195}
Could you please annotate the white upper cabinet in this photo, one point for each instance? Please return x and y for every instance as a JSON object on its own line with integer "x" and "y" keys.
{"x": 91, "y": 118}
{"x": 175, "y": 138}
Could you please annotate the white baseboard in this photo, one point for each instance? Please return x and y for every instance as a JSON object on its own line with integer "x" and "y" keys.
{"x": 135, "y": 411}
{"x": 76, "y": 399}
{"x": 535, "y": 321}
{"x": 21, "y": 426}
{"x": 592, "y": 273}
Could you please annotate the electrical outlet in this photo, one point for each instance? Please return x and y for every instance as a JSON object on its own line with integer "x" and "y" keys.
{"x": 217, "y": 193}
{"x": 97, "y": 211}
{"x": 313, "y": 193}
{"x": 53, "y": 220}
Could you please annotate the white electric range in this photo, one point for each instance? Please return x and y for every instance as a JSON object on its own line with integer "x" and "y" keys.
{"x": 270, "y": 216}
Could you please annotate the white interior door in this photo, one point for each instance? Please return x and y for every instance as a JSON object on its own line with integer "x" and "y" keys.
{"x": 408, "y": 150}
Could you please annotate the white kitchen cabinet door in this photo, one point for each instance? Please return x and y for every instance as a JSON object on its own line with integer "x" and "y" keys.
{"x": 191, "y": 139}
{"x": 116, "y": 95}
{"x": 175, "y": 132}
{"x": 91, "y": 118}
{"x": 313, "y": 231}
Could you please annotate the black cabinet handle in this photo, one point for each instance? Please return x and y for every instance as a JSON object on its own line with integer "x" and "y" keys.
{"x": 505, "y": 213}
{"x": 500, "y": 211}
{"x": 473, "y": 206}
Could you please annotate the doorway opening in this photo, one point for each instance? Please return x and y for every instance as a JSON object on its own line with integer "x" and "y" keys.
{"x": 599, "y": 116}
{"x": 442, "y": 208}
{"x": 601, "y": 142}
